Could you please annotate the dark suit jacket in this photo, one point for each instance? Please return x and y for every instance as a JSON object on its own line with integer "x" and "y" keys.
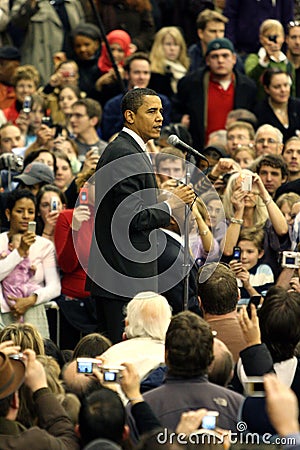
{"x": 265, "y": 114}
{"x": 191, "y": 99}
{"x": 122, "y": 261}
{"x": 171, "y": 285}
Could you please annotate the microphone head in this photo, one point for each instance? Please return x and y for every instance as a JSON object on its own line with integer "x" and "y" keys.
{"x": 173, "y": 140}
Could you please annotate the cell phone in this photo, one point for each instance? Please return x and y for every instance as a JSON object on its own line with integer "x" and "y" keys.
{"x": 27, "y": 104}
{"x": 95, "y": 150}
{"x": 46, "y": 120}
{"x": 53, "y": 204}
{"x": 31, "y": 226}
{"x": 254, "y": 300}
{"x": 209, "y": 421}
{"x": 58, "y": 130}
{"x": 84, "y": 196}
{"x": 237, "y": 253}
{"x": 254, "y": 387}
{"x": 273, "y": 38}
{"x": 246, "y": 184}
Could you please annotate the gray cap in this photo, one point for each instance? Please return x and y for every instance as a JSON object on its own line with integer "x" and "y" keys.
{"x": 36, "y": 172}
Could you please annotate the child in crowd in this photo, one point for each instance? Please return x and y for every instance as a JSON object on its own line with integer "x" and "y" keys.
{"x": 253, "y": 278}
{"x": 19, "y": 282}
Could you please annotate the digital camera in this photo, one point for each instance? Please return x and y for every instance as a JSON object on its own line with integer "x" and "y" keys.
{"x": 291, "y": 260}
{"x": 86, "y": 365}
{"x": 254, "y": 387}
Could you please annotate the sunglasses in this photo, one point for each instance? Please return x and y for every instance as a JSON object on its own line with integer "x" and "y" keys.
{"x": 293, "y": 23}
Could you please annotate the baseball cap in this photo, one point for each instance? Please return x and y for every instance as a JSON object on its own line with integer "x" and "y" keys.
{"x": 11, "y": 53}
{"x": 211, "y": 149}
{"x": 12, "y": 373}
{"x": 36, "y": 172}
{"x": 217, "y": 44}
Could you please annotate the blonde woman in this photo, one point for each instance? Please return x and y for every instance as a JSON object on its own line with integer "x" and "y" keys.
{"x": 254, "y": 209}
{"x": 169, "y": 60}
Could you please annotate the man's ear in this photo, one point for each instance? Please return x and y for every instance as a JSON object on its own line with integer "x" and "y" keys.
{"x": 15, "y": 401}
{"x": 261, "y": 254}
{"x": 77, "y": 430}
{"x": 7, "y": 213}
{"x": 94, "y": 121}
{"x": 129, "y": 116}
{"x": 126, "y": 433}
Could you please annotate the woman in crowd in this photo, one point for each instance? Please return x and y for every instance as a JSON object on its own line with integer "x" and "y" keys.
{"x": 26, "y": 81}
{"x": 169, "y": 60}
{"x": 87, "y": 48}
{"x": 43, "y": 155}
{"x": 64, "y": 174}
{"x": 107, "y": 84}
{"x": 254, "y": 208}
{"x": 50, "y": 202}
{"x": 68, "y": 95}
{"x": 73, "y": 234}
{"x": 30, "y": 122}
{"x": 279, "y": 108}
{"x": 20, "y": 211}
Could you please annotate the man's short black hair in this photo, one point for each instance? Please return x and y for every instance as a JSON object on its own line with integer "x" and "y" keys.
{"x": 102, "y": 415}
{"x": 134, "y": 98}
{"x": 219, "y": 292}
{"x": 189, "y": 345}
{"x": 275, "y": 161}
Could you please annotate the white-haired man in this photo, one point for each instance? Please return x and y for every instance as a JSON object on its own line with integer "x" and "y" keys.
{"x": 148, "y": 316}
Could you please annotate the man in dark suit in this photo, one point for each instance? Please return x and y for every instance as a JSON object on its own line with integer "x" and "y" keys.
{"x": 123, "y": 259}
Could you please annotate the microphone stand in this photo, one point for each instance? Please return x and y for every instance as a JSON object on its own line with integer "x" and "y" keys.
{"x": 111, "y": 56}
{"x": 186, "y": 249}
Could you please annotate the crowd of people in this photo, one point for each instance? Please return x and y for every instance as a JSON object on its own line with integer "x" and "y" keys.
{"x": 102, "y": 210}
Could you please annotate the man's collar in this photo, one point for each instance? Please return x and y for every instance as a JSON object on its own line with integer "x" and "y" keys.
{"x": 136, "y": 137}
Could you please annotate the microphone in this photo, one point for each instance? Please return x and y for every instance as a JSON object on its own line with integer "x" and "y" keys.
{"x": 178, "y": 143}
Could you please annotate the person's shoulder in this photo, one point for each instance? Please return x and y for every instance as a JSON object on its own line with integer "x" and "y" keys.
{"x": 223, "y": 393}
{"x": 112, "y": 102}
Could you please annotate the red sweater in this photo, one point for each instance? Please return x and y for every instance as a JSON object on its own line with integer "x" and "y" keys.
{"x": 73, "y": 279}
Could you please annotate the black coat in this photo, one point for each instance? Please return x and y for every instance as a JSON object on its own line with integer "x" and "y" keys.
{"x": 125, "y": 205}
{"x": 265, "y": 114}
{"x": 191, "y": 98}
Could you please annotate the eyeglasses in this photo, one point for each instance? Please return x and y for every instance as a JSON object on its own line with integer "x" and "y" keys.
{"x": 268, "y": 141}
{"x": 78, "y": 116}
{"x": 293, "y": 23}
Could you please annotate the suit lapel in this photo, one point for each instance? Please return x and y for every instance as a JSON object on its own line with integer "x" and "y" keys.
{"x": 138, "y": 148}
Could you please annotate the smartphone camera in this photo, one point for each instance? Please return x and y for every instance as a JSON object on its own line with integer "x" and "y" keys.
{"x": 254, "y": 387}
{"x": 31, "y": 226}
{"x": 246, "y": 184}
{"x": 209, "y": 421}
{"x": 46, "y": 120}
{"x": 291, "y": 260}
{"x": 27, "y": 104}
{"x": 273, "y": 38}
{"x": 236, "y": 253}
{"x": 53, "y": 204}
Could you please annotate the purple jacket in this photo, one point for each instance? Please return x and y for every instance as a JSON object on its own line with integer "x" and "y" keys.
{"x": 246, "y": 16}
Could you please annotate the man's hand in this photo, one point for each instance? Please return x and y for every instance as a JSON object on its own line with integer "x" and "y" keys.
{"x": 130, "y": 383}
{"x": 35, "y": 376}
{"x": 190, "y": 421}
{"x": 181, "y": 194}
{"x": 250, "y": 327}
{"x": 80, "y": 214}
{"x": 282, "y": 406}
{"x": 22, "y": 304}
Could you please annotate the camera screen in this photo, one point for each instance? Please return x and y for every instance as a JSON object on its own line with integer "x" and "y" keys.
{"x": 209, "y": 422}
{"x": 84, "y": 367}
{"x": 258, "y": 387}
{"x": 83, "y": 196}
{"x": 110, "y": 376}
{"x": 290, "y": 260}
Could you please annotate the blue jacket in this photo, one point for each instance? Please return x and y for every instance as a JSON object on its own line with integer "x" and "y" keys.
{"x": 112, "y": 120}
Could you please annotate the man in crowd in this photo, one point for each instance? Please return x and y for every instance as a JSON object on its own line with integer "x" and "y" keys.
{"x": 291, "y": 155}
{"x": 219, "y": 90}
{"x": 273, "y": 172}
{"x": 85, "y": 118}
{"x": 268, "y": 140}
{"x": 239, "y": 133}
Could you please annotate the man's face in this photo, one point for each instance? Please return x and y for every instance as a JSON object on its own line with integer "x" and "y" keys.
{"x": 80, "y": 121}
{"x": 266, "y": 143}
{"x": 147, "y": 121}
{"x": 237, "y": 137}
{"x": 10, "y": 137}
{"x": 221, "y": 62}
{"x": 213, "y": 30}
{"x": 291, "y": 155}
{"x": 293, "y": 40}
{"x": 139, "y": 74}
{"x": 171, "y": 168}
{"x": 7, "y": 70}
{"x": 271, "y": 178}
